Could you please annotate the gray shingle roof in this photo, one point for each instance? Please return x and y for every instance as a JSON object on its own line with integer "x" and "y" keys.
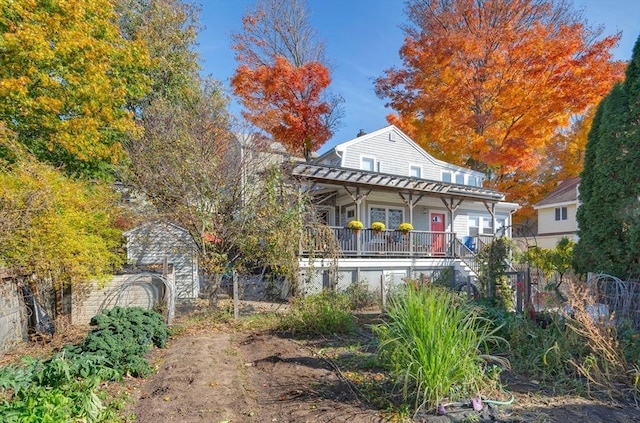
{"x": 565, "y": 192}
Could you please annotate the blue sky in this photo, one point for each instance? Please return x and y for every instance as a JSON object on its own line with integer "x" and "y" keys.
{"x": 362, "y": 40}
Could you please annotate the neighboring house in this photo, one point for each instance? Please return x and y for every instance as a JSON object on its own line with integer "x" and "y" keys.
{"x": 557, "y": 214}
{"x": 385, "y": 176}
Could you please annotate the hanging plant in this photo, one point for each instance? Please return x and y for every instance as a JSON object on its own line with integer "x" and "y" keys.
{"x": 405, "y": 227}
{"x": 378, "y": 227}
{"x": 355, "y": 225}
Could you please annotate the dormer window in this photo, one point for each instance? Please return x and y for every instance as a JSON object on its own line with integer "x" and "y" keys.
{"x": 415, "y": 171}
{"x": 446, "y": 176}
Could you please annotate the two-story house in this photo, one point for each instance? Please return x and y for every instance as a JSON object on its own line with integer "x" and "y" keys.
{"x": 557, "y": 214}
{"x": 384, "y": 176}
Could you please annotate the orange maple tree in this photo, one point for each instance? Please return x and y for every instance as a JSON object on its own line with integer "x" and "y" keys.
{"x": 284, "y": 100}
{"x": 281, "y": 79}
{"x": 488, "y": 84}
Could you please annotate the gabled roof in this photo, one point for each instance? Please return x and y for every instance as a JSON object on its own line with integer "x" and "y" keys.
{"x": 178, "y": 232}
{"x": 341, "y": 148}
{"x": 565, "y": 192}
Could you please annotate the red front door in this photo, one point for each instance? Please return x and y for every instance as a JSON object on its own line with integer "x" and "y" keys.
{"x": 437, "y": 239}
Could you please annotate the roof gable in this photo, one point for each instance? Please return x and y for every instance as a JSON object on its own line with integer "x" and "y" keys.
{"x": 160, "y": 229}
{"x": 565, "y": 192}
{"x": 393, "y": 133}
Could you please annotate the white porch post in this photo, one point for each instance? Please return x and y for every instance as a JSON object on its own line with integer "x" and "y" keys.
{"x": 491, "y": 208}
{"x": 357, "y": 199}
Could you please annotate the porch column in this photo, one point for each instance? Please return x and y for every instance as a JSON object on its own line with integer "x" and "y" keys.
{"x": 491, "y": 208}
{"x": 452, "y": 206}
{"x": 357, "y": 198}
{"x": 410, "y": 203}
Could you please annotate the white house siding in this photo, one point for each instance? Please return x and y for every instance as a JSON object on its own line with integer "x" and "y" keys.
{"x": 151, "y": 244}
{"x": 395, "y": 154}
{"x": 129, "y": 290}
{"x": 394, "y": 157}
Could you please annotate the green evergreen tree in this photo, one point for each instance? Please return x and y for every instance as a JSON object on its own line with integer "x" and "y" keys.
{"x": 609, "y": 214}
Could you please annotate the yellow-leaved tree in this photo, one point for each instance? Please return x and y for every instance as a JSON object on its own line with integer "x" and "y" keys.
{"x": 57, "y": 230}
{"x": 67, "y": 76}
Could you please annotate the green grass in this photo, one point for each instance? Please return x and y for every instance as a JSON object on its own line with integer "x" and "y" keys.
{"x": 434, "y": 345}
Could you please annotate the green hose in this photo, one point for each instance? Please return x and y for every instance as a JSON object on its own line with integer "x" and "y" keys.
{"x": 495, "y": 402}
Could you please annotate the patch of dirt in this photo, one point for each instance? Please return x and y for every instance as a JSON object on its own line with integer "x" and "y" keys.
{"x": 221, "y": 374}
{"x": 246, "y": 377}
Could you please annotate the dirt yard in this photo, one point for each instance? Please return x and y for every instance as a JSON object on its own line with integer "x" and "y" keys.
{"x": 223, "y": 374}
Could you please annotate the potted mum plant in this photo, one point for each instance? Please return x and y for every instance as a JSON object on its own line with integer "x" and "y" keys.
{"x": 356, "y": 225}
{"x": 405, "y": 227}
{"x": 378, "y": 227}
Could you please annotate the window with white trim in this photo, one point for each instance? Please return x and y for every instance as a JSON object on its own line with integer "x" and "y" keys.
{"x": 482, "y": 225}
{"x": 561, "y": 213}
{"x": 446, "y": 176}
{"x": 474, "y": 225}
{"x": 415, "y": 171}
{"x": 474, "y": 181}
{"x": 368, "y": 163}
{"x": 391, "y": 217}
{"x": 460, "y": 178}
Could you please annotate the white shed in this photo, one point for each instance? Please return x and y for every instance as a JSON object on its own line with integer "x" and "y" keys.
{"x": 160, "y": 243}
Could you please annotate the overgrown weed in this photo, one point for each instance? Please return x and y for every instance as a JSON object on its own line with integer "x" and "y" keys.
{"x": 326, "y": 313}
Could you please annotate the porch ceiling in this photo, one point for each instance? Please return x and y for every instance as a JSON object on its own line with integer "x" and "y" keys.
{"x": 385, "y": 182}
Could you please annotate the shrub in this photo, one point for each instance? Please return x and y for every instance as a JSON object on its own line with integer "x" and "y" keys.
{"x": 326, "y": 313}
{"x": 433, "y": 344}
{"x": 360, "y": 296}
{"x": 123, "y": 335}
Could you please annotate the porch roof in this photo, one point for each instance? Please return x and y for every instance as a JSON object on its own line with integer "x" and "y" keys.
{"x": 386, "y": 182}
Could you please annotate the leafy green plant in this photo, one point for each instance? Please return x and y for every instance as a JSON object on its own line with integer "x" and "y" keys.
{"x": 435, "y": 345}
{"x": 123, "y": 335}
{"x": 65, "y": 387}
{"x": 493, "y": 267}
{"x": 325, "y": 313}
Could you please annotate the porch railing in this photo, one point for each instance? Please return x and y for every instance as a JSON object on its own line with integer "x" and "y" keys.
{"x": 370, "y": 243}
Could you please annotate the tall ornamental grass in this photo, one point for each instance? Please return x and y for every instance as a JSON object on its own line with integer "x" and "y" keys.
{"x": 434, "y": 345}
